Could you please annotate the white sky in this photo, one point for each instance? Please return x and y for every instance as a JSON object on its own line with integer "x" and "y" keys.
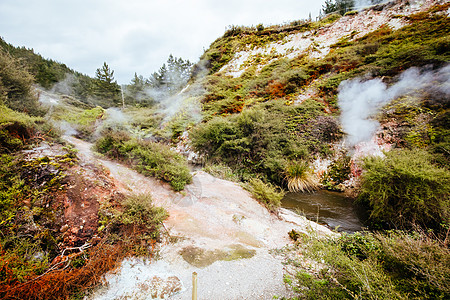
{"x": 134, "y": 35}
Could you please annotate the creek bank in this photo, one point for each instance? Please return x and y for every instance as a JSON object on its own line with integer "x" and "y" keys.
{"x": 332, "y": 209}
{"x": 212, "y": 216}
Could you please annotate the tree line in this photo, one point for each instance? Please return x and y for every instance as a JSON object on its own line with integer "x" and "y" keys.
{"x": 342, "y": 6}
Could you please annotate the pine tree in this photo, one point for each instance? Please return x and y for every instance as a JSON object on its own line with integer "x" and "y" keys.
{"x": 105, "y": 87}
{"x": 172, "y": 76}
{"x": 338, "y": 6}
{"x": 328, "y": 7}
{"x": 136, "y": 93}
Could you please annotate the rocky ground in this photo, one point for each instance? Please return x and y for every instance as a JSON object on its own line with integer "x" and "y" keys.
{"x": 216, "y": 230}
{"x": 317, "y": 43}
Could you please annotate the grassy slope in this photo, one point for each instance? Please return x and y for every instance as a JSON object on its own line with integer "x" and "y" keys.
{"x": 238, "y": 112}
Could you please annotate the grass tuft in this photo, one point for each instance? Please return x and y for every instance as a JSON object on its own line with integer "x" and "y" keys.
{"x": 300, "y": 178}
{"x": 265, "y": 193}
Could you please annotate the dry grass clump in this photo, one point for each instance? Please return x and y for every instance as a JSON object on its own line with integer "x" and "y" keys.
{"x": 300, "y": 178}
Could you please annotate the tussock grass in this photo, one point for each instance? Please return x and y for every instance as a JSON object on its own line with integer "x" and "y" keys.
{"x": 300, "y": 178}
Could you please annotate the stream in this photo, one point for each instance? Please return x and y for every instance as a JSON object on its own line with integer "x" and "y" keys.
{"x": 328, "y": 208}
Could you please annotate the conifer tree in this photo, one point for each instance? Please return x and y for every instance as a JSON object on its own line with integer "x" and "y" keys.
{"x": 136, "y": 92}
{"x": 105, "y": 87}
{"x": 338, "y": 6}
{"x": 172, "y": 76}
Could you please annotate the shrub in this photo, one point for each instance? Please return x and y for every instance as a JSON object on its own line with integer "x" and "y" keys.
{"x": 139, "y": 218}
{"x": 392, "y": 265}
{"x": 338, "y": 172}
{"x": 404, "y": 188}
{"x": 63, "y": 281}
{"x": 15, "y": 86}
{"x": 337, "y": 274}
{"x": 266, "y": 193}
{"x": 261, "y": 139}
{"x": 16, "y": 129}
{"x": 418, "y": 263}
{"x": 148, "y": 158}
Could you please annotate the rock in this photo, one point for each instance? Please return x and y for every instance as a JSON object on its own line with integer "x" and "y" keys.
{"x": 160, "y": 288}
{"x": 64, "y": 228}
{"x": 137, "y": 279}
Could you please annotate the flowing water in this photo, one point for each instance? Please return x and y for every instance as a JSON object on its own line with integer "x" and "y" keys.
{"x": 329, "y": 208}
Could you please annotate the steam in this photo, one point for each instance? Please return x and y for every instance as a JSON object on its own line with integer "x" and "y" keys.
{"x": 65, "y": 127}
{"x": 361, "y": 4}
{"x": 186, "y": 103}
{"x": 65, "y": 86}
{"x": 48, "y": 99}
{"x": 114, "y": 119}
{"x": 360, "y": 100}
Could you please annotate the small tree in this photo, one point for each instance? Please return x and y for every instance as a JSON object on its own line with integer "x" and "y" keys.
{"x": 105, "y": 87}
{"x": 136, "y": 92}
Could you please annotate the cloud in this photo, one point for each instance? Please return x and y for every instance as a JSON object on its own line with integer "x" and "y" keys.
{"x": 134, "y": 35}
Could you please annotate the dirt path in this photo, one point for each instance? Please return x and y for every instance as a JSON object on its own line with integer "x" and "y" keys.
{"x": 224, "y": 235}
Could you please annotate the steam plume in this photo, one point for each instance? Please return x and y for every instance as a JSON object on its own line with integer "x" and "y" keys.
{"x": 359, "y": 100}
{"x": 114, "y": 119}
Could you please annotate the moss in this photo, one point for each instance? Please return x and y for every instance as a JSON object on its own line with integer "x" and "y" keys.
{"x": 201, "y": 258}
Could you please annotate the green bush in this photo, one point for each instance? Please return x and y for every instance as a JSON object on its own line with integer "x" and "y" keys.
{"x": 392, "y": 265}
{"x": 17, "y": 129}
{"x": 265, "y": 193}
{"x": 140, "y": 216}
{"x": 338, "y": 172}
{"x": 404, "y": 188}
{"x": 16, "y": 86}
{"x": 262, "y": 139}
{"x": 336, "y": 274}
{"x": 148, "y": 158}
